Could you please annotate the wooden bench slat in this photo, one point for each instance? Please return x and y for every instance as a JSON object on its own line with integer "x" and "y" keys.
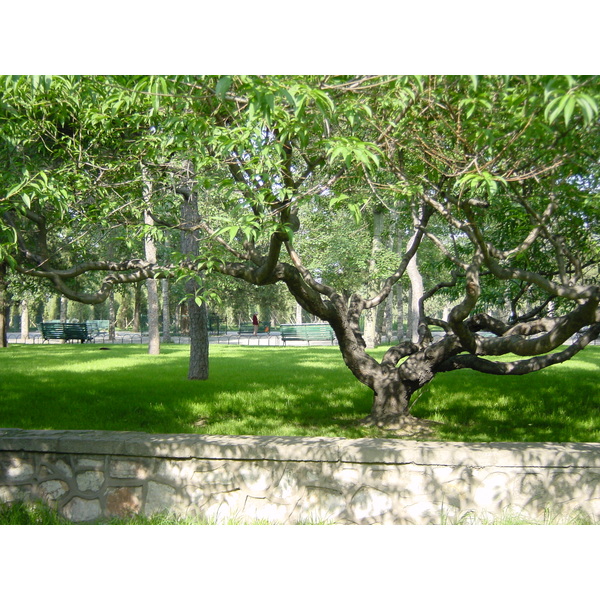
{"x": 66, "y": 331}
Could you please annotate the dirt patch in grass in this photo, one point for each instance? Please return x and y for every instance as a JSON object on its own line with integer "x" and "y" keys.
{"x": 405, "y": 426}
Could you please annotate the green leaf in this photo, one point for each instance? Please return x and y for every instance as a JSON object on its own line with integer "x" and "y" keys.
{"x": 291, "y": 100}
{"x": 556, "y": 106}
{"x": 569, "y": 107}
{"x": 223, "y": 86}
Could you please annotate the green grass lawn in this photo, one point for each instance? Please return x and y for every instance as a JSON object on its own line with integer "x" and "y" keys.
{"x": 280, "y": 391}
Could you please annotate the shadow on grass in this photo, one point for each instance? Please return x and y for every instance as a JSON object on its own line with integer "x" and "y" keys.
{"x": 561, "y": 404}
{"x": 280, "y": 391}
{"x": 250, "y": 391}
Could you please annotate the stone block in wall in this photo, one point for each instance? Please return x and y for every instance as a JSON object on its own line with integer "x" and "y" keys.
{"x": 53, "y": 489}
{"x": 129, "y": 469}
{"x": 15, "y": 493}
{"x": 159, "y": 498}
{"x": 16, "y": 469}
{"x": 81, "y": 510}
{"x": 89, "y": 481}
{"x": 221, "y": 479}
{"x": 262, "y": 509}
{"x": 255, "y": 478}
{"x": 123, "y": 501}
{"x": 287, "y": 487}
{"x": 225, "y": 506}
{"x": 58, "y": 466}
{"x": 369, "y": 503}
{"x": 320, "y": 505}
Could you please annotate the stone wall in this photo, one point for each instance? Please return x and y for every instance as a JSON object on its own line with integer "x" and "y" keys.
{"x": 90, "y": 475}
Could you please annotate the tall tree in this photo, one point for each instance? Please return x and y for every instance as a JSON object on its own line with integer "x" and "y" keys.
{"x": 462, "y": 154}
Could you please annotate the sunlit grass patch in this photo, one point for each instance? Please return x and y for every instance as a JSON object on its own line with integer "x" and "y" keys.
{"x": 305, "y": 391}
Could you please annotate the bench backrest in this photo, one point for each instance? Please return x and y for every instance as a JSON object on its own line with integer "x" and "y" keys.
{"x": 53, "y": 330}
{"x": 65, "y": 331}
{"x": 307, "y": 331}
{"x": 76, "y": 331}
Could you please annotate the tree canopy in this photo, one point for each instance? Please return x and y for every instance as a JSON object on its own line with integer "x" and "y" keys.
{"x": 332, "y": 186}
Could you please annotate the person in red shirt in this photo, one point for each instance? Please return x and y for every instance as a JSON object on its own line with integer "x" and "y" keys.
{"x": 255, "y": 323}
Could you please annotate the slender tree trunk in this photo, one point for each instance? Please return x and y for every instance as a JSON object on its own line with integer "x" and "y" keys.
{"x": 137, "y": 306}
{"x": 166, "y": 314}
{"x": 4, "y": 302}
{"x": 152, "y": 289}
{"x": 198, "y": 316}
{"x": 298, "y": 314}
{"x": 399, "y": 287}
{"x": 400, "y": 309}
{"x": 416, "y": 292}
{"x": 64, "y": 304}
{"x": 24, "y": 320}
{"x": 370, "y": 335}
{"x": 198, "y": 367}
{"x": 111, "y": 317}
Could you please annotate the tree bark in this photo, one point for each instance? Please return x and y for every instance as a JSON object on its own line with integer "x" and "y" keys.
{"x": 137, "y": 307}
{"x": 64, "y": 304}
{"x": 24, "y": 320}
{"x": 198, "y": 316}
{"x": 166, "y": 313}
{"x": 4, "y": 301}
{"x": 416, "y": 291}
{"x": 111, "y": 317}
{"x": 400, "y": 310}
{"x": 152, "y": 289}
{"x": 370, "y": 328}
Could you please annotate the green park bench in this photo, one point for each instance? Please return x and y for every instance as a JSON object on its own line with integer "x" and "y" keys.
{"x": 307, "y": 332}
{"x": 66, "y": 331}
{"x": 248, "y": 328}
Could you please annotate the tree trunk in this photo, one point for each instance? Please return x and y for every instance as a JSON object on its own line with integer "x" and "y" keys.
{"x": 399, "y": 287}
{"x": 3, "y": 305}
{"x": 391, "y": 395}
{"x": 64, "y": 304}
{"x": 137, "y": 307}
{"x": 111, "y": 317}
{"x": 298, "y": 314}
{"x": 416, "y": 292}
{"x": 400, "y": 310}
{"x": 166, "y": 314}
{"x": 370, "y": 328}
{"x": 391, "y": 399}
{"x": 152, "y": 289}
{"x": 24, "y": 320}
{"x": 153, "y": 317}
{"x": 198, "y": 317}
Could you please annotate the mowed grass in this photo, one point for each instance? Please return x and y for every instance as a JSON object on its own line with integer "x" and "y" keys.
{"x": 300, "y": 391}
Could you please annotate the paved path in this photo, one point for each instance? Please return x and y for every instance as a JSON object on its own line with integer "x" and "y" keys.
{"x": 123, "y": 337}
{"x": 232, "y": 338}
